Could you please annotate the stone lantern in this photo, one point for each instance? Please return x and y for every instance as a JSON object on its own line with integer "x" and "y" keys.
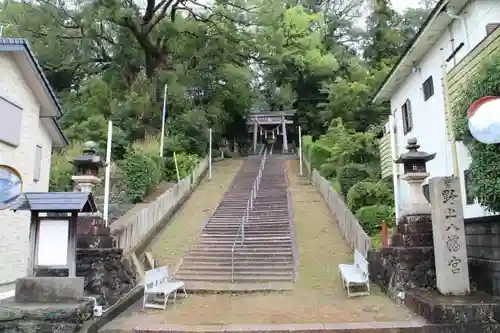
{"x": 87, "y": 168}
{"x": 415, "y": 172}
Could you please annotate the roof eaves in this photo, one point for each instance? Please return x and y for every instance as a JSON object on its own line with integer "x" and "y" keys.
{"x": 20, "y": 44}
{"x": 432, "y": 16}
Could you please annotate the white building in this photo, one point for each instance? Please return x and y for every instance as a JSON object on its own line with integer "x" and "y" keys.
{"x": 455, "y": 32}
{"x": 28, "y": 132}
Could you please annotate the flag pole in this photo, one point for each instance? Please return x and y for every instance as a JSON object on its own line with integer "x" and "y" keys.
{"x": 163, "y": 116}
{"x": 108, "y": 173}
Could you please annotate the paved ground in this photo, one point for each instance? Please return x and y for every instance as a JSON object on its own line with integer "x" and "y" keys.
{"x": 318, "y": 296}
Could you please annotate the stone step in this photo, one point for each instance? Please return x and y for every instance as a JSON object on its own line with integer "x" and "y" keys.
{"x": 254, "y": 224}
{"x": 285, "y": 219}
{"x": 208, "y": 259}
{"x": 250, "y": 233}
{"x": 269, "y": 253}
{"x": 234, "y": 235}
{"x": 250, "y": 223}
{"x": 250, "y": 240}
{"x": 244, "y": 248}
{"x": 235, "y": 227}
{"x": 237, "y": 277}
{"x": 192, "y": 264}
{"x": 242, "y": 270}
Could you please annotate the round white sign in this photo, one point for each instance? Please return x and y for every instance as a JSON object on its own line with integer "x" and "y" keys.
{"x": 11, "y": 186}
{"x": 484, "y": 119}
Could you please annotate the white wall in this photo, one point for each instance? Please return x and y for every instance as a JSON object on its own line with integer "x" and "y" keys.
{"x": 14, "y": 228}
{"x": 428, "y": 116}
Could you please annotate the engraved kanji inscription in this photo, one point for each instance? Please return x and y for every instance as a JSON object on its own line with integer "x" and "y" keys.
{"x": 454, "y": 263}
{"x": 450, "y": 213}
{"x": 452, "y": 226}
{"x": 452, "y": 243}
{"x": 449, "y": 196}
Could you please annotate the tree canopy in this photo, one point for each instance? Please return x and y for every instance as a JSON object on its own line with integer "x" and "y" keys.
{"x": 110, "y": 60}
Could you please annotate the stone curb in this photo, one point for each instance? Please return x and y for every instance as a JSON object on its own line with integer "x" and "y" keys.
{"x": 415, "y": 326}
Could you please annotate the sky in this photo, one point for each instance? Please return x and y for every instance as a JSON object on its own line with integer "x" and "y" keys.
{"x": 401, "y": 5}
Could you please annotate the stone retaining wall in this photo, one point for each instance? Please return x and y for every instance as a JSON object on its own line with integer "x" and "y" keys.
{"x": 483, "y": 252}
{"x": 108, "y": 276}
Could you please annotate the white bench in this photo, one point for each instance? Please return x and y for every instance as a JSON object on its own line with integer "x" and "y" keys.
{"x": 355, "y": 275}
{"x": 156, "y": 283}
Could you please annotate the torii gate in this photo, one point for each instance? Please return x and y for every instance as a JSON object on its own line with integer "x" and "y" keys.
{"x": 264, "y": 118}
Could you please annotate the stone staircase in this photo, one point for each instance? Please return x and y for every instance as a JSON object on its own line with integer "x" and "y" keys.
{"x": 266, "y": 254}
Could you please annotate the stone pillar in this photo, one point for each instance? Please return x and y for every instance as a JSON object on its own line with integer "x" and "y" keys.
{"x": 450, "y": 252}
{"x": 255, "y": 134}
{"x": 285, "y": 139}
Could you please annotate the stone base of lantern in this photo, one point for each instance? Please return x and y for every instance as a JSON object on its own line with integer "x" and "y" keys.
{"x": 408, "y": 262}
{"x": 92, "y": 233}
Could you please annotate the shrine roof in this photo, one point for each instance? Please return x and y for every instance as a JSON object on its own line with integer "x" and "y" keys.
{"x": 82, "y": 202}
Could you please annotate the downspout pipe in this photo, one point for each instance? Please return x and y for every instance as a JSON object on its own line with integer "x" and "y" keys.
{"x": 464, "y": 26}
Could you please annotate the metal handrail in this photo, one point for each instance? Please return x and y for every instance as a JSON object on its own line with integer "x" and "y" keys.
{"x": 248, "y": 209}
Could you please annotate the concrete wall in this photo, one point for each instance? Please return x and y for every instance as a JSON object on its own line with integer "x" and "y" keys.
{"x": 428, "y": 116}
{"x": 483, "y": 251}
{"x": 14, "y": 226}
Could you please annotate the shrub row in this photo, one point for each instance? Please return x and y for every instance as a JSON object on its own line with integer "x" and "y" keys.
{"x": 352, "y": 170}
{"x": 141, "y": 166}
{"x": 144, "y": 168}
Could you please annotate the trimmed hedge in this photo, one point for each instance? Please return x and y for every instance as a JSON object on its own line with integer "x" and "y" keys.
{"x": 371, "y": 217}
{"x": 368, "y": 193}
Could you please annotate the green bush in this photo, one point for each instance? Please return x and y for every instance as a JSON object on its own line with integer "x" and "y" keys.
{"x": 351, "y": 174}
{"x": 185, "y": 162}
{"x": 485, "y": 176}
{"x": 307, "y": 142}
{"x": 328, "y": 170}
{"x": 367, "y": 193}
{"x": 371, "y": 217}
{"x": 142, "y": 173}
{"x": 61, "y": 168}
{"x": 376, "y": 242}
{"x": 319, "y": 155}
{"x": 335, "y": 185}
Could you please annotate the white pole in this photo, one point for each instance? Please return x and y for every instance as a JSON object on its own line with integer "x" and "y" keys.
{"x": 163, "y": 116}
{"x": 300, "y": 149}
{"x": 392, "y": 136}
{"x": 108, "y": 172}
{"x": 210, "y": 154}
{"x": 177, "y": 168}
